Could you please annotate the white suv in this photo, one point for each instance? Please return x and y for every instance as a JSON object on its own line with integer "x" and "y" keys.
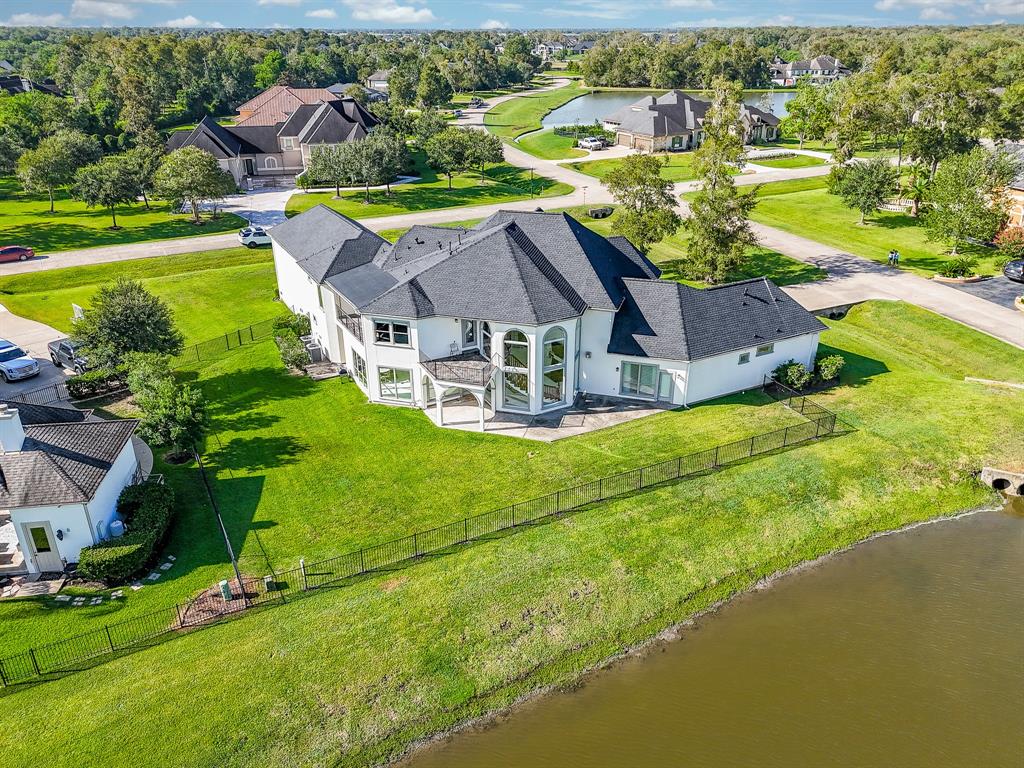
{"x": 253, "y": 236}
{"x": 591, "y": 142}
{"x": 15, "y": 363}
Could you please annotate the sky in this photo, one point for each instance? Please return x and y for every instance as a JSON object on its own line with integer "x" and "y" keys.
{"x": 502, "y": 14}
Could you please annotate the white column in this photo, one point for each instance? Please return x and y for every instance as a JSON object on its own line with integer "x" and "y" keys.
{"x": 440, "y": 408}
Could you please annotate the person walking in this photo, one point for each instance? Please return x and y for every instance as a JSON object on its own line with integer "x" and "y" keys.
{"x": 891, "y": 252}
{"x": 895, "y": 257}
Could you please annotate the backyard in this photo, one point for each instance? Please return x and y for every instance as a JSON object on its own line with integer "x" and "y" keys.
{"x": 25, "y": 219}
{"x": 309, "y": 469}
{"x": 504, "y": 183}
{"x": 805, "y": 207}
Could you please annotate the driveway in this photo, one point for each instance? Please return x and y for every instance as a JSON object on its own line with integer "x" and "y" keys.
{"x": 997, "y": 289}
{"x": 33, "y": 338}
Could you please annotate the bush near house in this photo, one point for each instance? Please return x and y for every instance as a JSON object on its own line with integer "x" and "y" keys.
{"x": 962, "y": 266}
{"x": 793, "y": 374}
{"x": 287, "y": 331}
{"x": 98, "y": 382}
{"x": 829, "y": 367}
{"x": 147, "y": 511}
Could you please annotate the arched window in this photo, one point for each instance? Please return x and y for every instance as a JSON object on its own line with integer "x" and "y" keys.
{"x": 271, "y": 162}
{"x": 553, "y": 382}
{"x": 485, "y": 337}
{"x": 516, "y": 373}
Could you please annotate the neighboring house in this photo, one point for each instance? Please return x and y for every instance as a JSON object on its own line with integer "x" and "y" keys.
{"x": 821, "y": 70}
{"x": 341, "y": 90}
{"x": 1015, "y": 190}
{"x": 674, "y": 121}
{"x": 6, "y": 67}
{"x": 547, "y": 50}
{"x": 15, "y": 84}
{"x": 276, "y": 131}
{"x": 60, "y": 476}
{"x": 378, "y": 81}
{"x": 581, "y": 47}
{"x": 523, "y": 312}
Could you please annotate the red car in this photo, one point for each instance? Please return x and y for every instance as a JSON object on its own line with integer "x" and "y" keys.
{"x": 15, "y": 253}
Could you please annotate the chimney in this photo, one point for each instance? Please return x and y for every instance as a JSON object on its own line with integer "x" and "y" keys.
{"x": 12, "y": 435}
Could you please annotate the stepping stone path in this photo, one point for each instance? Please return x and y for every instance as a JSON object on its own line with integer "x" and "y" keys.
{"x": 62, "y": 598}
{"x": 118, "y": 594}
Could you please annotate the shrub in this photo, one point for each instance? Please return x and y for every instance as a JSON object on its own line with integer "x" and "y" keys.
{"x": 793, "y": 374}
{"x": 147, "y": 511}
{"x": 297, "y": 324}
{"x": 830, "y": 366}
{"x": 834, "y": 182}
{"x": 293, "y": 351}
{"x": 304, "y": 181}
{"x": 962, "y": 266}
{"x": 1010, "y": 243}
{"x": 97, "y": 382}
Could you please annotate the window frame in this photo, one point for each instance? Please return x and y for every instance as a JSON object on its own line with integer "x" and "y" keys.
{"x": 744, "y": 358}
{"x": 765, "y": 350}
{"x": 554, "y": 335}
{"x": 504, "y": 350}
{"x": 639, "y": 380}
{"x": 359, "y": 368}
{"x": 391, "y": 333}
{"x": 288, "y": 143}
{"x": 382, "y": 376}
{"x": 473, "y": 327}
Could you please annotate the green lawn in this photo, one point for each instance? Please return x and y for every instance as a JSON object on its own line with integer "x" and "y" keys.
{"x": 504, "y": 183}
{"x": 517, "y": 116}
{"x": 804, "y": 207}
{"x": 865, "y": 149}
{"x": 351, "y": 676}
{"x": 678, "y": 167}
{"x": 26, "y": 220}
{"x": 548, "y": 145}
{"x": 210, "y": 292}
{"x": 796, "y": 161}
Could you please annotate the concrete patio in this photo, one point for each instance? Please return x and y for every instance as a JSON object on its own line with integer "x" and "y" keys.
{"x": 578, "y": 419}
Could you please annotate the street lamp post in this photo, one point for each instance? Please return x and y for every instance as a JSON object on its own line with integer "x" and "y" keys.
{"x": 584, "y": 195}
{"x": 531, "y": 182}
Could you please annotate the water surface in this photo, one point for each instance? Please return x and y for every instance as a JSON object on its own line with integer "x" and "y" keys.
{"x": 906, "y": 651}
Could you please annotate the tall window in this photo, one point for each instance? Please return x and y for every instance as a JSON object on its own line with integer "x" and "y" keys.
{"x": 358, "y": 368}
{"x": 395, "y": 384}
{"x": 554, "y": 367}
{"x": 639, "y": 380}
{"x": 517, "y": 370}
{"x": 391, "y": 332}
{"x": 468, "y": 333}
{"x": 270, "y": 162}
{"x": 485, "y": 337}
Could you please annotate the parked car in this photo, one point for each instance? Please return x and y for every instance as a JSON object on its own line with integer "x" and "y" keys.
{"x": 16, "y": 253}
{"x": 66, "y": 353}
{"x": 253, "y": 236}
{"x": 1014, "y": 270}
{"x": 591, "y": 142}
{"x": 15, "y": 363}
{"x": 457, "y": 113}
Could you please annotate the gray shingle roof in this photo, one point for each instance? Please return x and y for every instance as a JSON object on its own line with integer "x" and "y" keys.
{"x": 61, "y": 463}
{"x": 46, "y": 414}
{"x": 673, "y": 113}
{"x": 325, "y": 243}
{"x": 672, "y": 321}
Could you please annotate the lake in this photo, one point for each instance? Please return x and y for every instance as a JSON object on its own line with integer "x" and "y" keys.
{"x": 595, "y": 106}
{"x": 905, "y": 651}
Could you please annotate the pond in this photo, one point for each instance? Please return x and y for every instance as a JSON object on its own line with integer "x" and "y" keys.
{"x": 904, "y": 651}
{"x": 595, "y": 106}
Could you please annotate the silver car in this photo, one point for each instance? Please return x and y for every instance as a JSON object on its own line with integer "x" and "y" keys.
{"x": 15, "y": 363}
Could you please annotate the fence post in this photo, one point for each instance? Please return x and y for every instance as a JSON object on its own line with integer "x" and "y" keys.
{"x": 362, "y": 561}
{"x": 558, "y": 501}
{"x": 714, "y": 462}
{"x": 35, "y": 664}
{"x": 785, "y": 437}
{"x": 679, "y": 466}
{"x": 302, "y": 567}
{"x": 110, "y": 642}
{"x": 239, "y": 337}
{"x": 465, "y": 529}
{"x": 181, "y": 616}
{"x": 600, "y": 489}
{"x": 751, "y": 452}
{"x": 3, "y": 674}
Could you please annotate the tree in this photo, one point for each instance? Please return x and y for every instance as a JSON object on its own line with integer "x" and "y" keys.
{"x": 108, "y": 183}
{"x": 124, "y": 317}
{"x": 965, "y": 199}
{"x": 268, "y": 71}
{"x": 433, "y": 89}
{"x": 449, "y": 152}
{"x": 916, "y": 189}
{"x": 377, "y": 159}
{"x": 483, "y": 148}
{"x": 191, "y": 175}
{"x": 10, "y": 150}
{"x": 327, "y": 163}
{"x": 866, "y": 185}
{"x": 394, "y": 153}
{"x": 429, "y": 124}
{"x": 143, "y": 162}
{"x": 720, "y": 232}
{"x": 648, "y": 211}
{"x": 53, "y": 163}
{"x": 401, "y": 87}
{"x": 806, "y": 114}
{"x": 358, "y": 93}
{"x": 1008, "y": 121}
{"x": 172, "y": 415}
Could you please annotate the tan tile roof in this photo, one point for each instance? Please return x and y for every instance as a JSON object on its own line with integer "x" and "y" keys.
{"x": 275, "y": 104}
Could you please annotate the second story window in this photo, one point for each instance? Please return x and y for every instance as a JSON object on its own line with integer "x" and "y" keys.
{"x": 468, "y": 333}
{"x": 390, "y": 332}
{"x": 287, "y": 142}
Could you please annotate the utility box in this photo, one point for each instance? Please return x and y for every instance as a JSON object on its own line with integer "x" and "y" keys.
{"x": 225, "y": 591}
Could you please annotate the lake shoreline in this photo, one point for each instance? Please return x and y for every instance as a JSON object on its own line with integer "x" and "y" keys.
{"x": 670, "y": 634}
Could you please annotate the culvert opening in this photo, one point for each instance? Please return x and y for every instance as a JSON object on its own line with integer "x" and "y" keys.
{"x": 1020, "y": 490}
{"x": 1000, "y": 483}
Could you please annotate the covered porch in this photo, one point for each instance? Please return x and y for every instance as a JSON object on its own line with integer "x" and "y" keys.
{"x": 458, "y": 390}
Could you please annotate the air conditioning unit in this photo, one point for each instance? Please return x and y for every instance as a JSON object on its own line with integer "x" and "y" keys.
{"x": 316, "y": 355}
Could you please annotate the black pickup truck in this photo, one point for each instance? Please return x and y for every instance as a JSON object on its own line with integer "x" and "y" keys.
{"x": 65, "y": 353}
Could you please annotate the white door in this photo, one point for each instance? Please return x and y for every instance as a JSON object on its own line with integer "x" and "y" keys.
{"x": 43, "y": 547}
{"x": 665, "y": 384}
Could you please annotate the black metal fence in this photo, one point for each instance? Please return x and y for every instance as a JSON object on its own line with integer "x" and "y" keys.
{"x": 211, "y": 348}
{"x": 51, "y": 393}
{"x": 67, "y": 655}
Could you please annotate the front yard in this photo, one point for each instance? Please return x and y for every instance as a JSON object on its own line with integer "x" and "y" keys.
{"x": 678, "y": 167}
{"x": 504, "y": 183}
{"x": 548, "y": 145}
{"x": 25, "y": 219}
{"x": 804, "y": 207}
{"x": 350, "y": 676}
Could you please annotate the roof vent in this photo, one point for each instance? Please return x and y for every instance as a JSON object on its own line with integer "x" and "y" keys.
{"x": 418, "y": 241}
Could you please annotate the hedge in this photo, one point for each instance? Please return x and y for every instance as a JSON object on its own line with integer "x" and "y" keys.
{"x": 98, "y": 382}
{"x": 147, "y": 511}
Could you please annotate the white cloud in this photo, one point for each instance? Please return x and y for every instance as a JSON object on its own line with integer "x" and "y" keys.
{"x": 924, "y": 6}
{"x": 590, "y": 9}
{"x": 494, "y": 24}
{"x": 936, "y": 14}
{"x": 192, "y": 21}
{"x": 322, "y": 13}
{"x": 279, "y": 25}
{"x": 703, "y": 4}
{"x": 782, "y": 20}
{"x": 1004, "y": 8}
{"x": 102, "y": 9}
{"x": 509, "y": 7}
{"x": 389, "y": 11}
{"x": 34, "y": 20}
{"x": 280, "y": 2}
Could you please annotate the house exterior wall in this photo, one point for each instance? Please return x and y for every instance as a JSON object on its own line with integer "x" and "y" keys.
{"x": 70, "y": 519}
{"x": 301, "y": 294}
{"x": 1015, "y": 207}
{"x": 103, "y": 507}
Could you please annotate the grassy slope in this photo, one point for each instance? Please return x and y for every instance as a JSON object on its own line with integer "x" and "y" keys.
{"x": 678, "y": 167}
{"x": 805, "y": 208}
{"x": 550, "y": 146}
{"x": 517, "y": 116}
{"x": 504, "y": 184}
{"x": 351, "y": 675}
{"x": 26, "y": 220}
{"x": 210, "y": 292}
{"x": 796, "y": 161}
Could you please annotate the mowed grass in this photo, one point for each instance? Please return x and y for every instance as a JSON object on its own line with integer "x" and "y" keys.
{"x": 548, "y": 145}
{"x": 524, "y": 113}
{"x": 210, "y": 292}
{"x": 677, "y": 166}
{"x": 351, "y": 676}
{"x": 26, "y": 220}
{"x": 502, "y": 183}
{"x": 796, "y": 161}
{"x": 805, "y": 207}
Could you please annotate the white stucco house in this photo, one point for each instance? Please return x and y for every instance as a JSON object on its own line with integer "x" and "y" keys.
{"x": 60, "y": 477}
{"x": 524, "y": 312}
